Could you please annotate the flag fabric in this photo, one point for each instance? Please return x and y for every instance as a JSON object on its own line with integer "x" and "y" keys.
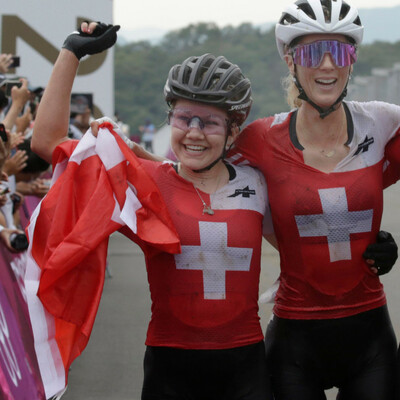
{"x": 98, "y": 187}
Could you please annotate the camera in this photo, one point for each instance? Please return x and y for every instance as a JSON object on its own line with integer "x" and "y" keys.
{"x": 16, "y": 200}
{"x": 19, "y": 241}
{"x": 15, "y": 62}
{"x": 8, "y": 84}
{"x": 4, "y": 189}
{"x": 3, "y": 134}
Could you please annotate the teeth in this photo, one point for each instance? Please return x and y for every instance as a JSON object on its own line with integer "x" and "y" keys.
{"x": 194, "y": 147}
{"x": 326, "y": 81}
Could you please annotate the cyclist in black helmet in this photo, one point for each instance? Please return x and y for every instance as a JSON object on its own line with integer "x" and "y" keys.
{"x": 204, "y": 340}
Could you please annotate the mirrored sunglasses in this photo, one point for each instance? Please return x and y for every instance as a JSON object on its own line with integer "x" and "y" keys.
{"x": 310, "y": 55}
{"x": 208, "y": 124}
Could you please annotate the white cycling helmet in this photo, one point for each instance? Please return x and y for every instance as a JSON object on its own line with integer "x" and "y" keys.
{"x": 305, "y": 17}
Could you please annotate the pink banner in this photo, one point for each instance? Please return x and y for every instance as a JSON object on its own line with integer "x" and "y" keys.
{"x": 27, "y": 208}
{"x": 19, "y": 371}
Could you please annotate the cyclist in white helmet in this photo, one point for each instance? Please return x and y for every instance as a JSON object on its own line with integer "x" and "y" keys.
{"x": 326, "y": 164}
{"x": 318, "y": 17}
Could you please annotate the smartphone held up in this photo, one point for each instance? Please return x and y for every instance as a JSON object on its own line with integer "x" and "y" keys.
{"x": 3, "y": 133}
{"x": 15, "y": 62}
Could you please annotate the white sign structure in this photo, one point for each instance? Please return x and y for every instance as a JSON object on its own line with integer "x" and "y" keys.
{"x": 35, "y": 31}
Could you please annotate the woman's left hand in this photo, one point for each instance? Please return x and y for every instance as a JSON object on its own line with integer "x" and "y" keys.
{"x": 382, "y": 255}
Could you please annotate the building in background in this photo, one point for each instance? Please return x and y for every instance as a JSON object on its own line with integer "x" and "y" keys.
{"x": 35, "y": 31}
{"x": 383, "y": 84}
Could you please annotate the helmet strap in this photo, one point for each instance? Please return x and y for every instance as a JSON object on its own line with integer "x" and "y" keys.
{"x": 323, "y": 112}
{"x": 221, "y": 157}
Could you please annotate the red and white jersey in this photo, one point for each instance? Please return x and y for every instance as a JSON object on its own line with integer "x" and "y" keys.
{"x": 324, "y": 221}
{"x": 207, "y": 296}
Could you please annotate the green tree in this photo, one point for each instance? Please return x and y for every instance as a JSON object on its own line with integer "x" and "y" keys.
{"x": 141, "y": 68}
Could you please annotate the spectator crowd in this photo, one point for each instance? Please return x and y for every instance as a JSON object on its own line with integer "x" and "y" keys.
{"x": 23, "y": 173}
{"x": 25, "y": 177}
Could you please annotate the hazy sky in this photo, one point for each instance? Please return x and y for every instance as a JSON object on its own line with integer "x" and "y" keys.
{"x": 175, "y": 14}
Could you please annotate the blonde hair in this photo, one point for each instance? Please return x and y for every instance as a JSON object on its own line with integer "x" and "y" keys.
{"x": 291, "y": 91}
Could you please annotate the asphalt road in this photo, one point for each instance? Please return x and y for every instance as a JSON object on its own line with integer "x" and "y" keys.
{"x": 111, "y": 366}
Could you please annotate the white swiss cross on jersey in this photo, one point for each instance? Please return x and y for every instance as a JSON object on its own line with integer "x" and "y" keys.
{"x": 214, "y": 258}
{"x": 336, "y": 223}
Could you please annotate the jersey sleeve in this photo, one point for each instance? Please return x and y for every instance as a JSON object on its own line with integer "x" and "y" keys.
{"x": 385, "y": 117}
{"x": 250, "y": 146}
{"x": 391, "y": 173}
{"x": 268, "y": 228}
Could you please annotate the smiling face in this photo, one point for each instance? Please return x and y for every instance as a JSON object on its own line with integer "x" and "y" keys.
{"x": 325, "y": 83}
{"x": 196, "y": 146}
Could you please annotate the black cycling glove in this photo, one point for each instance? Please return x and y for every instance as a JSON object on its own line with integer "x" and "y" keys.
{"x": 103, "y": 37}
{"x": 383, "y": 252}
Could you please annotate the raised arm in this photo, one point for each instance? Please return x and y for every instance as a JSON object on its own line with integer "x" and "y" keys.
{"x": 52, "y": 120}
{"x": 19, "y": 97}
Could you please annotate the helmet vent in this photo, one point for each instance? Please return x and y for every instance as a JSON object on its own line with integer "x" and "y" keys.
{"x": 288, "y": 19}
{"x": 344, "y": 11}
{"x": 327, "y": 9}
{"x": 203, "y": 68}
{"x": 306, "y": 8}
{"x": 214, "y": 83}
{"x": 185, "y": 74}
{"x": 357, "y": 21}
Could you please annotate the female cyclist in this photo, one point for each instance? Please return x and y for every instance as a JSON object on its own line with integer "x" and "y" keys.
{"x": 204, "y": 340}
{"x": 324, "y": 164}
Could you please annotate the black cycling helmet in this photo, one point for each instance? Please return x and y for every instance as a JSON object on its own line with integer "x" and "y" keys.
{"x": 211, "y": 80}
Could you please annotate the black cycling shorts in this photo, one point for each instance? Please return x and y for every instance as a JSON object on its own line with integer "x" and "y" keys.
{"x": 356, "y": 354}
{"x": 398, "y": 375}
{"x": 232, "y": 374}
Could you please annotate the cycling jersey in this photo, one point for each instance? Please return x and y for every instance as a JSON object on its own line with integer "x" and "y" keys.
{"x": 324, "y": 221}
{"x": 206, "y": 297}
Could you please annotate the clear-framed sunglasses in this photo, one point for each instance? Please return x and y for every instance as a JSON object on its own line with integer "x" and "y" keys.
{"x": 209, "y": 124}
{"x": 310, "y": 55}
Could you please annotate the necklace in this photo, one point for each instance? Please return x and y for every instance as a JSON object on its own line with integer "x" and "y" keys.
{"x": 324, "y": 152}
{"x": 329, "y": 153}
{"x": 332, "y": 152}
{"x": 206, "y": 209}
